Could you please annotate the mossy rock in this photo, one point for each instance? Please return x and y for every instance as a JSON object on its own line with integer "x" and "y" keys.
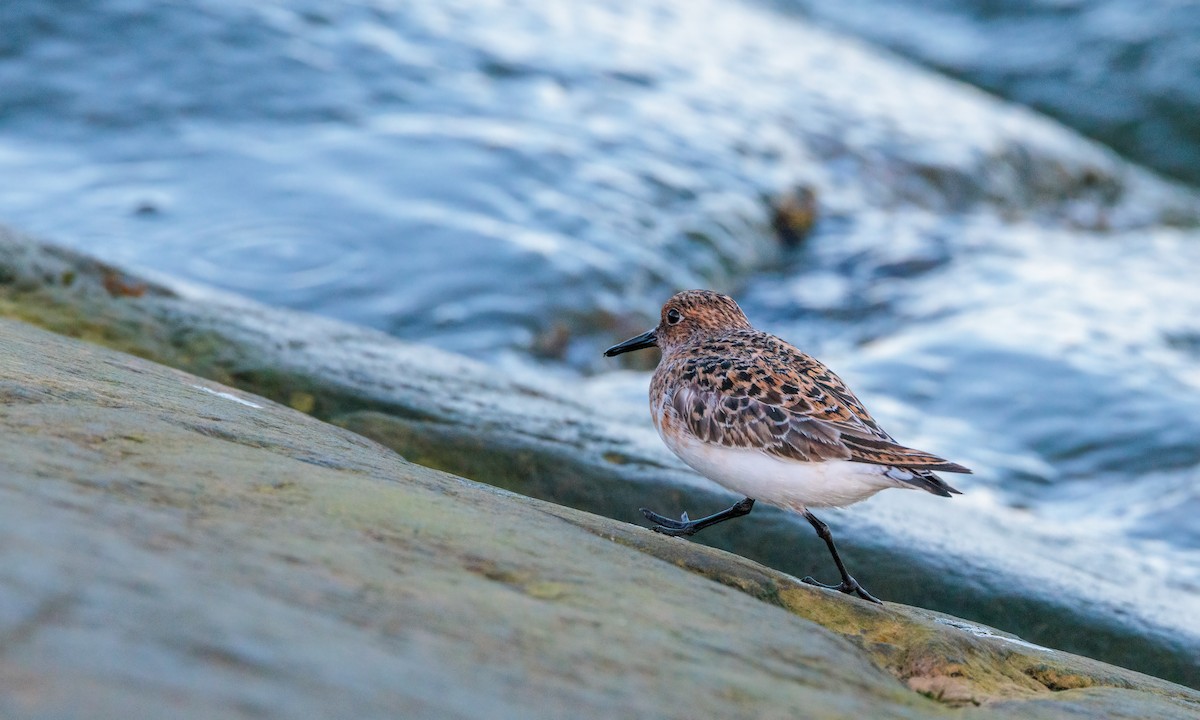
{"x": 449, "y": 413}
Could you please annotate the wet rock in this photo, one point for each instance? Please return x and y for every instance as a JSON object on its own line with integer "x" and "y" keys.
{"x": 173, "y": 547}
{"x": 793, "y": 215}
{"x": 583, "y": 445}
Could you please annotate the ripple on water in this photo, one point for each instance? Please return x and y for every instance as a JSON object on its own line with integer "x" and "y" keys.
{"x": 284, "y": 258}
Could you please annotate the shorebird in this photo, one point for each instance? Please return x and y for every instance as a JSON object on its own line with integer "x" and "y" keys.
{"x": 758, "y": 416}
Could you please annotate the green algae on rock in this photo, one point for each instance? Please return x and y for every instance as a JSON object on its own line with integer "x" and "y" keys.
{"x": 559, "y": 444}
{"x": 173, "y": 547}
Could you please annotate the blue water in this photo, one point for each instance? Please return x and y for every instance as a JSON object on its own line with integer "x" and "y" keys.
{"x": 1122, "y": 71}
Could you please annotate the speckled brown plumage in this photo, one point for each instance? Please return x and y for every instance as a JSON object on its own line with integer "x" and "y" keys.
{"x": 729, "y": 384}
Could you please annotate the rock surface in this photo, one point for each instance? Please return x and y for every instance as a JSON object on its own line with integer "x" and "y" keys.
{"x": 562, "y": 444}
{"x": 173, "y": 547}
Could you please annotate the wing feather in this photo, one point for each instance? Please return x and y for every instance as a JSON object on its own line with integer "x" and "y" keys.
{"x": 797, "y": 409}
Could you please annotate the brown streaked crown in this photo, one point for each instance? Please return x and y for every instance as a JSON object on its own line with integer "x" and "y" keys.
{"x": 694, "y": 315}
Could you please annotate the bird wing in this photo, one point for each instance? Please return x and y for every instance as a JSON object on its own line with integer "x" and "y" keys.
{"x": 797, "y": 410}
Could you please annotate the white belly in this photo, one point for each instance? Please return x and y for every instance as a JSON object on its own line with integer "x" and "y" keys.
{"x": 786, "y": 483}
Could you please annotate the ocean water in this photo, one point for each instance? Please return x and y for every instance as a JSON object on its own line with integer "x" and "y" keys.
{"x": 526, "y": 182}
{"x": 1122, "y": 71}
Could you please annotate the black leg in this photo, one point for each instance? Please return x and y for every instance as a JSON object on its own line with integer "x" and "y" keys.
{"x": 848, "y": 585}
{"x": 684, "y": 526}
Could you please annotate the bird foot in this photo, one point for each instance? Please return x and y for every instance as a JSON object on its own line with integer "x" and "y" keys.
{"x": 667, "y": 526}
{"x": 849, "y": 586}
{"x": 686, "y": 526}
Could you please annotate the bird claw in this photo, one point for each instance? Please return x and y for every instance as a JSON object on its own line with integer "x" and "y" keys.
{"x": 687, "y": 526}
{"x": 849, "y": 586}
{"x": 666, "y": 522}
{"x": 674, "y": 532}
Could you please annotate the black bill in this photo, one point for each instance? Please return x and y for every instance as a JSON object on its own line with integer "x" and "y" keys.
{"x": 645, "y": 340}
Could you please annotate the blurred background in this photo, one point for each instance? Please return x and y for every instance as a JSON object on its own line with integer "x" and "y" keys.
{"x": 980, "y": 214}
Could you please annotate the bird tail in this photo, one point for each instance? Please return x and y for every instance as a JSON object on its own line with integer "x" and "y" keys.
{"x": 879, "y": 451}
{"x": 929, "y": 482}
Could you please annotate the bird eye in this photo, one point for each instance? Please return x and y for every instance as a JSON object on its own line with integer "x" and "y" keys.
{"x": 673, "y": 316}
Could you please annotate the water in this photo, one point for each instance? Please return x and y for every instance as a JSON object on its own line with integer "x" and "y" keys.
{"x": 402, "y": 166}
{"x": 1122, "y": 71}
{"x": 526, "y": 182}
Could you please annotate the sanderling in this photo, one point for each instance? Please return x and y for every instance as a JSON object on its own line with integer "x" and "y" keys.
{"x": 753, "y": 413}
